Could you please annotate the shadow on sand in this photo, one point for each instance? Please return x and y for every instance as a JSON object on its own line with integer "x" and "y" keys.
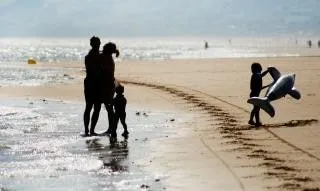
{"x": 291, "y": 123}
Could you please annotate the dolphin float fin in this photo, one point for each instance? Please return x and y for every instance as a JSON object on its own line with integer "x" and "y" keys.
{"x": 294, "y": 93}
{"x": 263, "y": 103}
{"x": 275, "y": 74}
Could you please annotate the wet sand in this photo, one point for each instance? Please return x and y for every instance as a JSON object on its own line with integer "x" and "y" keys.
{"x": 215, "y": 149}
{"x": 41, "y": 147}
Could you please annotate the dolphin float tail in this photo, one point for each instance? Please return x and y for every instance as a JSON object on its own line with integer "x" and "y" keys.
{"x": 263, "y": 103}
{"x": 294, "y": 93}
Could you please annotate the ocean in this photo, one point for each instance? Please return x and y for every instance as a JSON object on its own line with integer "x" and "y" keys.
{"x": 41, "y": 148}
{"x": 14, "y": 52}
{"x": 156, "y": 48}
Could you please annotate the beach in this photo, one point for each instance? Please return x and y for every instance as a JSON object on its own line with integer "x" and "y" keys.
{"x": 282, "y": 155}
{"x": 190, "y": 87}
{"x": 198, "y": 115}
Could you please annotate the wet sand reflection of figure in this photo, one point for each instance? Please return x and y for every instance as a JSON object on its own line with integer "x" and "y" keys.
{"x": 119, "y": 152}
{"x": 112, "y": 156}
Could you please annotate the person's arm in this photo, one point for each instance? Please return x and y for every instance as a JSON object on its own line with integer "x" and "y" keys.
{"x": 264, "y": 73}
{"x": 86, "y": 63}
{"x": 266, "y": 86}
{"x": 117, "y": 53}
{"x": 124, "y": 103}
{"x": 251, "y": 83}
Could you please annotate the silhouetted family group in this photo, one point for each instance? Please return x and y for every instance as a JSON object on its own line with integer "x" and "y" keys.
{"x": 99, "y": 88}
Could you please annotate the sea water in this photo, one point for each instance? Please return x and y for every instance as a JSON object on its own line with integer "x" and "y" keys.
{"x": 152, "y": 48}
{"x": 20, "y": 74}
{"x": 14, "y": 53}
{"x": 41, "y": 149}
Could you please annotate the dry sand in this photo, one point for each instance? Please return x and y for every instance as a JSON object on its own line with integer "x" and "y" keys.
{"x": 217, "y": 149}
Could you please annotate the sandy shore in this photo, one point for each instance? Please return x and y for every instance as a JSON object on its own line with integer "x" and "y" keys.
{"x": 216, "y": 149}
{"x": 283, "y": 155}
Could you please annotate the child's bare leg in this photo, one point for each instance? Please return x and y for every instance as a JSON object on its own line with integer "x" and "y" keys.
{"x": 257, "y": 116}
{"x": 251, "y": 122}
{"x": 115, "y": 121}
{"x": 123, "y": 122}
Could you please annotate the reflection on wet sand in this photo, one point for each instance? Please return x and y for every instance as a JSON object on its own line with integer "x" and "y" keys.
{"x": 113, "y": 155}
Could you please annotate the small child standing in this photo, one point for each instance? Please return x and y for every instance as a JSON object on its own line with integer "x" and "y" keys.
{"x": 256, "y": 87}
{"x": 120, "y": 103}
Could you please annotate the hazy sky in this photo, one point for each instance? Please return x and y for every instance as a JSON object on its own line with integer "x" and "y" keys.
{"x": 158, "y": 17}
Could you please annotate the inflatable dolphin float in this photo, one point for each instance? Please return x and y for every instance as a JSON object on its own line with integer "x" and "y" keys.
{"x": 281, "y": 86}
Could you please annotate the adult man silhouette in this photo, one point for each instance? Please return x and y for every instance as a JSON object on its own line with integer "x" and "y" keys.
{"x": 92, "y": 86}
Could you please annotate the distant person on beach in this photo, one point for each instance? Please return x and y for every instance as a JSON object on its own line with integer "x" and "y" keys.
{"x": 318, "y": 43}
{"x": 309, "y": 43}
{"x": 108, "y": 83}
{"x": 120, "y": 103}
{"x": 206, "y": 45}
{"x": 256, "y": 87}
{"x": 91, "y": 86}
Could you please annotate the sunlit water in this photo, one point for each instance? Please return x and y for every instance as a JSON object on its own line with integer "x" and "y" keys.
{"x": 15, "y": 52}
{"x": 21, "y": 74}
{"x": 41, "y": 149}
{"x": 153, "y": 48}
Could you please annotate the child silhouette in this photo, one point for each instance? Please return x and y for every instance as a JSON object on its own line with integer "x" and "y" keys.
{"x": 120, "y": 103}
{"x": 256, "y": 87}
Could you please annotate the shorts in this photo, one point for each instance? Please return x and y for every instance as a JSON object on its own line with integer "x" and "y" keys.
{"x": 254, "y": 94}
{"x": 107, "y": 91}
{"x": 91, "y": 91}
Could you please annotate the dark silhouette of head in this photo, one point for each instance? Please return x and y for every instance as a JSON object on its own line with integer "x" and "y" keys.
{"x": 256, "y": 67}
{"x": 110, "y": 48}
{"x": 95, "y": 42}
{"x": 119, "y": 89}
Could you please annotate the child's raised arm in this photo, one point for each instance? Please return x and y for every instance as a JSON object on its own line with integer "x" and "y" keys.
{"x": 264, "y": 73}
{"x": 266, "y": 86}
